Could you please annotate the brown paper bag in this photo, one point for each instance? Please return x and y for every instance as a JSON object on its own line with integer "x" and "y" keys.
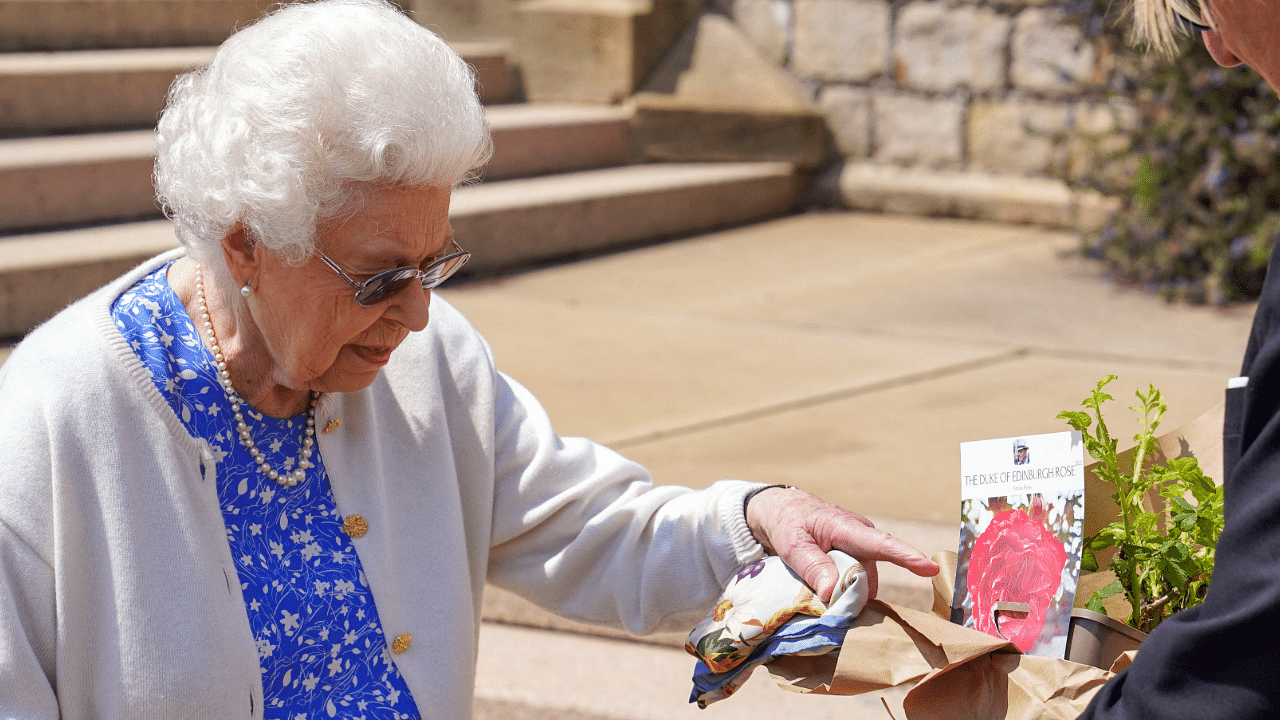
{"x": 936, "y": 670}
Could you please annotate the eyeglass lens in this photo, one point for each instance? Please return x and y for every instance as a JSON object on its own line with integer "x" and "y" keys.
{"x": 382, "y": 285}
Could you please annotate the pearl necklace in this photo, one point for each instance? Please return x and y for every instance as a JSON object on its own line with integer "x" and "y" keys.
{"x": 289, "y": 478}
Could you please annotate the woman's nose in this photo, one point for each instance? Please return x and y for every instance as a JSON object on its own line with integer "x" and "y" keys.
{"x": 411, "y": 307}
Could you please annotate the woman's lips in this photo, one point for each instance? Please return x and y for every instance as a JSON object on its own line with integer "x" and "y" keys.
{"x": 374, "y": 355}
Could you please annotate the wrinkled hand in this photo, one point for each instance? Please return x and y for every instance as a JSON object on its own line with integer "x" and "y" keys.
{"x": 801, "y": 528}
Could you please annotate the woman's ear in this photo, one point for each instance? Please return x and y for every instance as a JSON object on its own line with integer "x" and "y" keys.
{"x": 1218, "y": 50}
{"x": 241, "y": 254}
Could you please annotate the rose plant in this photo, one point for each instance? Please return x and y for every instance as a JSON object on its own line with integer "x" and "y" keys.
{"x": 1164, "y": 558}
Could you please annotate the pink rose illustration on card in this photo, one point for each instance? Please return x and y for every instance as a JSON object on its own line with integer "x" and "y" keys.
{"x": 1015, "y": 560}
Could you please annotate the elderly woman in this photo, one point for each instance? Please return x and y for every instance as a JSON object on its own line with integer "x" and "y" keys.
{"x": 266, "y": 476}
{"x": 1219, "y": 660}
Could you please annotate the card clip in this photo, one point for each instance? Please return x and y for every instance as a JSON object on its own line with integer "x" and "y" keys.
{"x": 1019, "y": 609}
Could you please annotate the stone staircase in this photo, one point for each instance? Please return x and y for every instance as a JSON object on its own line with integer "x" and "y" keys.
{"x": 82, "y": 82}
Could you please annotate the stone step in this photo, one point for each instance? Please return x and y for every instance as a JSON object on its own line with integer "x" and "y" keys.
{"x": 101, "y": 177}
{"x": 89, "y": 89}
{"x": 53, "y": 25}
{"x": 517, "y": 222}
{"x": 594, "y": 51}
{"x": 505, "y": 224}
{"x": 42, "y": 273}
{"x": 70, "y": 91}
{"x": 29, "y": 25}
{"x": 75, "y": 179}
{"x": 535, "y": 139}
{"x": 495, "y": 71}
{"x": 976, "y": 195}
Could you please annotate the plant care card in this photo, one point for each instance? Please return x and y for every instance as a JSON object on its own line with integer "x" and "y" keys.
{"x": 1021, "y": 521}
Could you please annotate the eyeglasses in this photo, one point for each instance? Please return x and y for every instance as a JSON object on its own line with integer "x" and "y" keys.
{"x": 388, "y": 283}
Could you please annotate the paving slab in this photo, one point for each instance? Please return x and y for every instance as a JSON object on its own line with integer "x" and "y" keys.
{"x": 620, "y": 374}
{"x": 720, "y": 273}
{"x": 1025, "y": 293}
{"x": 894, "y": 451}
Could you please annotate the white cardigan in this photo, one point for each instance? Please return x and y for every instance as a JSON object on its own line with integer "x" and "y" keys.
{"x": 118, "y": 594}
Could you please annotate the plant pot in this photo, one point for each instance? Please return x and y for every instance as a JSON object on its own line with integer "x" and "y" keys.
{"x": 1097, "y": 640}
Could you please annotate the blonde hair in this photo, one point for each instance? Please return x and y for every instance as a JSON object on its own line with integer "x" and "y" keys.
{"x": 1158, "y": 23}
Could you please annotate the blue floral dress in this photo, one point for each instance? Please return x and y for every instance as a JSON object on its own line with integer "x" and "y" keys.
{"x": 320, "y": 643}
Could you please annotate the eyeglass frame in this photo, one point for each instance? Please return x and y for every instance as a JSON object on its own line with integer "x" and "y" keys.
{"x": 418, "y": 274}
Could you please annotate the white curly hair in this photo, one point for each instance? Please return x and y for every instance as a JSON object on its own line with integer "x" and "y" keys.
{"x": 300, "y": 112}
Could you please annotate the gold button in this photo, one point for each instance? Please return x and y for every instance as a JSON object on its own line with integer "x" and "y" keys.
{"x": 333, "y": 425}
{"x": 401, "y": 643}
{"x": 355, "y": 526}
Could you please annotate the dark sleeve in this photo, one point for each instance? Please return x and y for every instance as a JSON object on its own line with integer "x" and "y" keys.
{"x": 1221, "y": 659}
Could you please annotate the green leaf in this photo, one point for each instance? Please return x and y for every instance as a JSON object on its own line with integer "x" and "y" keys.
{"x": 1176, "y": 575}
{"x": 1088, "y": 561}
{"x": 1076, "y": 419}
{"x": 1186, "y": 522}
{"x": 1111, "y": 589}
{"x": 1106, "y": 537}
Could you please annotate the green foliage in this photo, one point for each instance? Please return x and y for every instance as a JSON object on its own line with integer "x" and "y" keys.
{"x": 1164, "y": 560}
{"x": 1193, "y": 155}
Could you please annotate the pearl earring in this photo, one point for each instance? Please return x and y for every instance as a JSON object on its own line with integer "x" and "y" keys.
{"x": 246, "y": 291}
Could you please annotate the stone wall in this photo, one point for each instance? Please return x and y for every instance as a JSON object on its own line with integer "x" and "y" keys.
{"x": 966, "y": 85}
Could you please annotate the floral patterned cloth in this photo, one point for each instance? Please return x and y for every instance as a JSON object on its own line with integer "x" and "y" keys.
{"x": 320, "y": 643}
{"x": 765, "y": 612}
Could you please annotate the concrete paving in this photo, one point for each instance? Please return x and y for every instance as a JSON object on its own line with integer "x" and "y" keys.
{"x": 844, "y": 353}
